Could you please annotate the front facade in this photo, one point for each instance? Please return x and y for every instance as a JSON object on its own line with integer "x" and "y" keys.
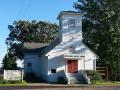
{"x": 67, "y": 56}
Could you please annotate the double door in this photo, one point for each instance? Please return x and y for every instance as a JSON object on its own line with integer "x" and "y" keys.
{"x": 72, "y": 66}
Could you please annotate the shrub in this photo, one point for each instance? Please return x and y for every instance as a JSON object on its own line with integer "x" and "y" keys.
{"x": 61, "y": 80}
{"x": 94, "y": 76}
{"x": 3, "y": 82}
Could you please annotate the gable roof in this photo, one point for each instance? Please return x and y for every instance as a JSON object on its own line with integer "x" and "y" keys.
{"x": 34, "y": 47}
{"x": 51, "y": 46}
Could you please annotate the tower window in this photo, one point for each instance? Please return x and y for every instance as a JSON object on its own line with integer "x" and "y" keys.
{"x": 71, "y": 23}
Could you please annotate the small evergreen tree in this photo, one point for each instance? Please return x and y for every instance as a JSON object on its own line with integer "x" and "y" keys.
{"x": 9, "y": 62}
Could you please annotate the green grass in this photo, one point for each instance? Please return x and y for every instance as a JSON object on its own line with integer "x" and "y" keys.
{"x": 14, "y": 84}
{"x": 107, "y": 83}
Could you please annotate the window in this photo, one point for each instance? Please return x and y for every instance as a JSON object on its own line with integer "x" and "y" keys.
{"x": 72, "y": 49}
{"x": 29, "y": 64}
{"x": 71, "y": 23}
{"x": 53, "y": 70}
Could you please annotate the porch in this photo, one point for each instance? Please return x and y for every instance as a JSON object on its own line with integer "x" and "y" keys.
{"x": 73, "y": 70}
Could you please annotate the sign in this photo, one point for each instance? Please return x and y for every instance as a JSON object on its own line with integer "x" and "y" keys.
{"x": 13, "y": 74}
{"x": 72, "y": 56}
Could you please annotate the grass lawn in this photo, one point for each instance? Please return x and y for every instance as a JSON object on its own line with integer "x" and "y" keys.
{"x": 107, "y": 83}
{"x": 14, "y": 84}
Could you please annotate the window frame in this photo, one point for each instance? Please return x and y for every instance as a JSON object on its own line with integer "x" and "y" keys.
{"x": 71, "y": 23}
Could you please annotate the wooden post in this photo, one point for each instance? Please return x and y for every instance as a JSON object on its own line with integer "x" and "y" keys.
{"x": 4, "y": 74}
{"x": 21, "y": 75}
{"x": 107, "y": 73}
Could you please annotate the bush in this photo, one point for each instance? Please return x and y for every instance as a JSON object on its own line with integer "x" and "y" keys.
{"x": 3, "y": 82}
{"x": 61, "y": 80}
{"x": 94, "y": 76}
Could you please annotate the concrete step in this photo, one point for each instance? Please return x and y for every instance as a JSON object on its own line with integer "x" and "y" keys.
{"x": 77, "y": 78}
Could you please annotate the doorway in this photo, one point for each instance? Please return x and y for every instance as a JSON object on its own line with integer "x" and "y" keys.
{"x": 72, "y": 66}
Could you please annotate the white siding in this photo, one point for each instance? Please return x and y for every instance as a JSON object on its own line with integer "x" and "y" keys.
{"x": 57, "y": 63}
{"x": 44, "y": 68}
{"x": 69, "y": 37}
{"x": 69, "y": 33}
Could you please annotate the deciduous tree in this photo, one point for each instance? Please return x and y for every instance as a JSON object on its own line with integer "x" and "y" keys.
{"x": 26, "y": 31}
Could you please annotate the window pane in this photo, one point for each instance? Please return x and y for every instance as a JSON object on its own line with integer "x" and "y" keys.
{"x": 71, "y": 23}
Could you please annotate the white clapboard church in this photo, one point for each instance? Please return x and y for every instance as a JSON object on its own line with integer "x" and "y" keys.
{"x": 66, "y": 57}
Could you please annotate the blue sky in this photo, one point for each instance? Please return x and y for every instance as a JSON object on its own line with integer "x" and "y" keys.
{"x": 45, "y": 10}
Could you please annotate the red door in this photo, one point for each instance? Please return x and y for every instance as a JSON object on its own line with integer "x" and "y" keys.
{"x": 72, "y": 66}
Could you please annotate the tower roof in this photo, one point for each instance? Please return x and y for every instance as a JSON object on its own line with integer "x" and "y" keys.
{"x": 69, "y": 12}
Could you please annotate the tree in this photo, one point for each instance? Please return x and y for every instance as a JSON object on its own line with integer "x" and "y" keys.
{"x": 9, "y": 62}
{"x": 26, "y": 31}
{"x": 101, "y": 31}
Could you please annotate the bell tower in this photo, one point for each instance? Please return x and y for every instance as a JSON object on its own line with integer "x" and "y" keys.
{"x": 70, "y": 26}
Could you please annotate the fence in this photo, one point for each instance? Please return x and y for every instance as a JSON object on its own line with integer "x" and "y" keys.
{"x": 13, "y": 74}
{"x": 104, "y": 72}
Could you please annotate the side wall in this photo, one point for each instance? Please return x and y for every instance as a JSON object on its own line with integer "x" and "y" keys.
{"x": 44, "y": 68}
{"x": 35, "y": 60}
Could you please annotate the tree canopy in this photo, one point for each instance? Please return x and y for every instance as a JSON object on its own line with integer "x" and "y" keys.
{"x": 27, "y": 31}
{"x": 101, "y": 31}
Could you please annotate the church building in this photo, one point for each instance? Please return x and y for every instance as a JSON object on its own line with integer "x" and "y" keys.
{"x": 67, "y": 56}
